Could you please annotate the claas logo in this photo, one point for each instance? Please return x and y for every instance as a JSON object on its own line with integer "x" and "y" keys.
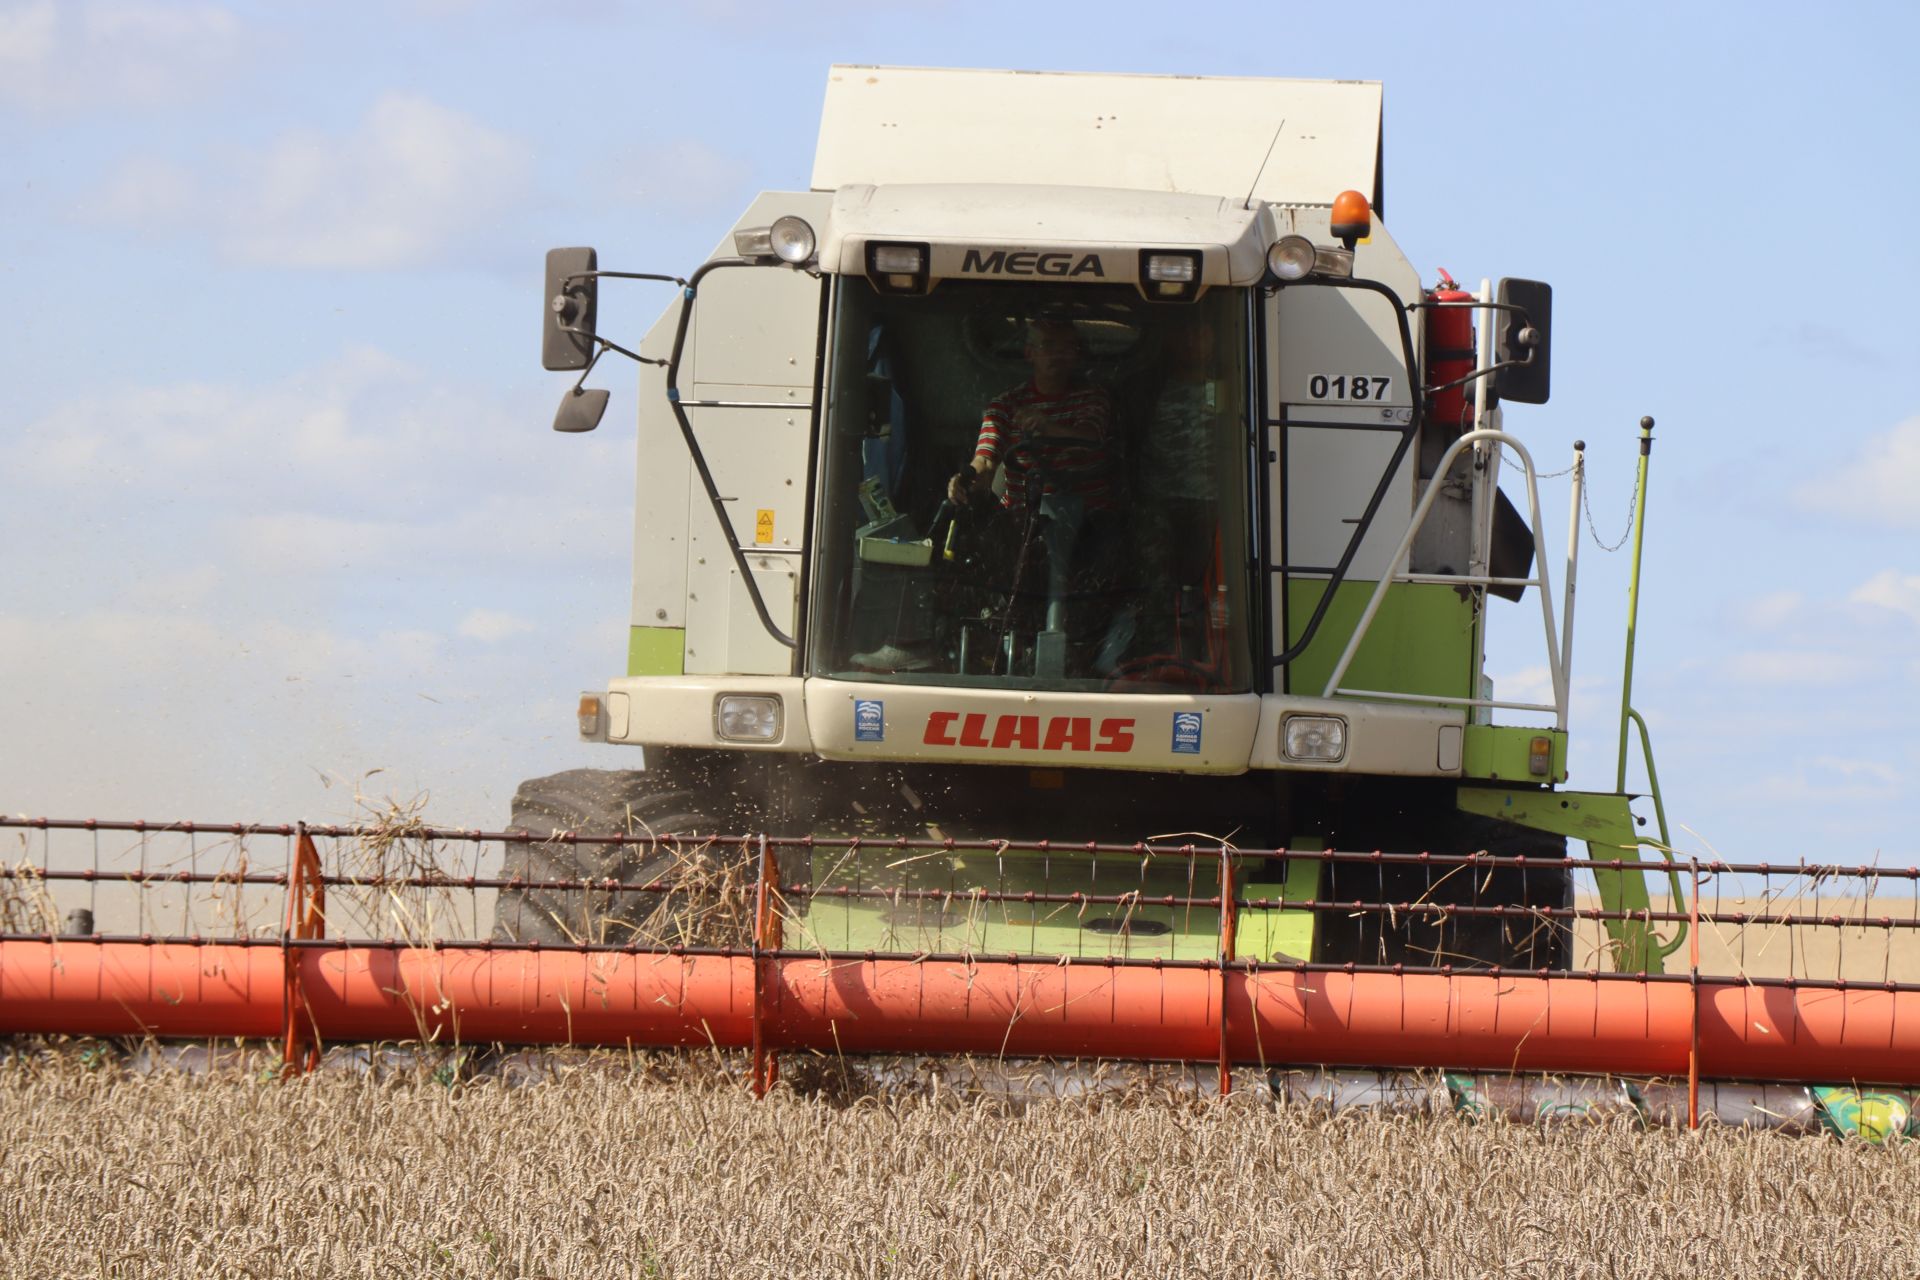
{"x": 1028, "y": 733}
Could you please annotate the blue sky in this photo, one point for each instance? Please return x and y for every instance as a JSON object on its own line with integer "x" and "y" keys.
{"x": 281, "y": 506}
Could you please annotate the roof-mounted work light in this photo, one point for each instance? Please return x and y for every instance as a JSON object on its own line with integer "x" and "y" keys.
{"x": 790, "y": 240}
{"x": 1291, "y": 258}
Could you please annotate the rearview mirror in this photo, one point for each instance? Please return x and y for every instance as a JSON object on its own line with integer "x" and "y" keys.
{"x": 580, "y": 409}
{"x": 1524, "y": 335}
{"x": 571, "y": 304}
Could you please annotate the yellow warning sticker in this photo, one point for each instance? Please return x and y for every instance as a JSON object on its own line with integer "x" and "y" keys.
{"x": 763, "y": 526}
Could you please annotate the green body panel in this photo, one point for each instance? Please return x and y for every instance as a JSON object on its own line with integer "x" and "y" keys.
{"x": 1421, "y": 641}
{"x": 1270, "y": 934}
{"x": 958, "y": 922}
{"x": 1604, "y": 820}
{"x": 1499, "y": 752}
{"x": 656, "y": 651}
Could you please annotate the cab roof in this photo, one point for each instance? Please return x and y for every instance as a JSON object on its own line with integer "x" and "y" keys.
{"x": 1298, "y": 142}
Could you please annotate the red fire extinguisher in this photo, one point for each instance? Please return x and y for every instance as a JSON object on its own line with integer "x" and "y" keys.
{"x": 1450, "y": 356}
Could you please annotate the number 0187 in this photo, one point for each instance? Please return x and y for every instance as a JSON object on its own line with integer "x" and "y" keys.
{"x": 1348, "y": 386}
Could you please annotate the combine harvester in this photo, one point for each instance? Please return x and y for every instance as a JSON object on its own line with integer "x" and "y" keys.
{"x": 1069, "y": 529}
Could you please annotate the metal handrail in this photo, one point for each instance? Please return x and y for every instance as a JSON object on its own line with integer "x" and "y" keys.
{"x": 1557, "y": 668}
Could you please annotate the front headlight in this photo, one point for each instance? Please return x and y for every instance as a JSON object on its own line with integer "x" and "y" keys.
{"x": 1318, "y": 738}
{"x": 792, "y": 239}
{"x": 1291, "y": 257}
{"x": 746, "y": 717}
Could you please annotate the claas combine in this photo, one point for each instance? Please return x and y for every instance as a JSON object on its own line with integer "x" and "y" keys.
{"x": 1089, "y": 467}
{"x": 1067, "y": 537}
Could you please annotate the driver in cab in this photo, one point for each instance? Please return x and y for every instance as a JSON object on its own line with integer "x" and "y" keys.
{"x": 1053, "y": 433}
{"x": 1054, "y": 436}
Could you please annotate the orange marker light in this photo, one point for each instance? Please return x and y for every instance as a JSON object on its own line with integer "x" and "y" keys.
{"x": 1352, "y": 217}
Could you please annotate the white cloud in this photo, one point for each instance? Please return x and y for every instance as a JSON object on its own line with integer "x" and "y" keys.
{"x": 213, "y": 586}
{"x": 176, "y": 588}
{"x": 1880, "y": 485}
{"x": 1869, "y": 770}
{"x": 686, "y": 176}
{"x": 363, "y": 420}
{"x": 413, "y": 184}
{"x": 1891, "y": 589}
{"x": 1772, "y": 611}
{"x": 1801, "y": 668}
{"x": 28, "y": 33}
{"x": 361, "y": 476}
{"x": 68, "y": 56}
{"x": 489, "y": 625}
{"x": 1528, "y": 684}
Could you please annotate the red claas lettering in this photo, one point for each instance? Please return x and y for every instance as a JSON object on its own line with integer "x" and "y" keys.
{"x": 1026, "y": 733}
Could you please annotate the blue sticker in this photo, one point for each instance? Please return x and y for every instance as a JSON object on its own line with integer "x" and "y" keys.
{"x": 870, "y": 720}
{"x": 1186, "y": 733}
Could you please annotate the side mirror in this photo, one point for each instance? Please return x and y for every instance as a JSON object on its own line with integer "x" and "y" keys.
{"x": 1524, "y": 335}
{"x": 580, "y": 409}
{"x": 571, "y": 304}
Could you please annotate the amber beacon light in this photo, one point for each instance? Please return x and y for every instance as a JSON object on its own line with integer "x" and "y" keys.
{"x": 1352, "y": 218}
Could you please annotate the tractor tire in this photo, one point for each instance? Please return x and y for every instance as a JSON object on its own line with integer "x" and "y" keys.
{"x": 668, "y": 807}
{"x": 1518, "y": 940}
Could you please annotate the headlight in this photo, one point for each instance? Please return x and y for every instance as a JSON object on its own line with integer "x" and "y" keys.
{"x": 898, "y": 267}
{"x": 1170, "y": 275}
{"x": 1322, "y": 738}
{"x": 1172, "y": 266}
{"x": 899, "y": 259}
{"x": 792, "y": 239}
{"x": 746, "y": 717}
{"x": 1291, "y": 257}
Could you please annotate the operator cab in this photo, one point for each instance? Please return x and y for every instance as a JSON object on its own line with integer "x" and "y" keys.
{"x": 1031, "y": 486}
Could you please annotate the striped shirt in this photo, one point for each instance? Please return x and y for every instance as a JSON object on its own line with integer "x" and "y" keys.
{"x": 1068, "y": 438}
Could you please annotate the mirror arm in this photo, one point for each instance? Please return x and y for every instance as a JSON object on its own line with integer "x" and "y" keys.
{"x": 580, "y": 383}
{"x": 604, "y": 346}
{"x": 624, "y": 275}
{"x": 1477, "y": 305}
{"x": 1481, "y": 373}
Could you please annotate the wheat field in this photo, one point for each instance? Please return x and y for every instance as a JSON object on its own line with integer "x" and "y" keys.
{"x": 664, "y": 1166}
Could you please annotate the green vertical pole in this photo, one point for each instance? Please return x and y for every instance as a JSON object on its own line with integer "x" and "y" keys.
{"x": 1633, "y": 594}
{"x": 1638, "y": 948}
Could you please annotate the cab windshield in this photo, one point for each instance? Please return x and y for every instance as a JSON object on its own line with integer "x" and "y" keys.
{"x": 1034, "y": 487}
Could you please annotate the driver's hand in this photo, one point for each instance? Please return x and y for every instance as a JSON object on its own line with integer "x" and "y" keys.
{"x": 960, "y": 487}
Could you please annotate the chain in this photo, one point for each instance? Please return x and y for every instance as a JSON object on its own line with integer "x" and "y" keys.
{"x": 1586, "y": 502}
{"x": 1551, "y": 475}
{"x": 1633, "y": 505}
